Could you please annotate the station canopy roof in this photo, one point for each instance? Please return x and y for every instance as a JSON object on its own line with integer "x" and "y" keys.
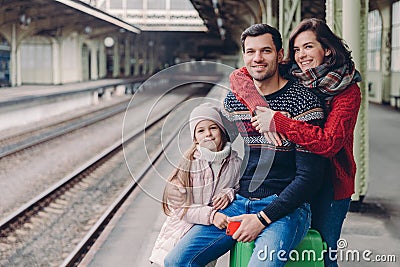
{"x": 54, "y": 17}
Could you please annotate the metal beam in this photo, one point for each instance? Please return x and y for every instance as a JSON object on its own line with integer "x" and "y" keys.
{"x": 99, "y": 14}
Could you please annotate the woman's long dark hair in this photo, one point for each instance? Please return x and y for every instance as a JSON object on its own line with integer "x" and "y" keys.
{"x": 340, "y": 53}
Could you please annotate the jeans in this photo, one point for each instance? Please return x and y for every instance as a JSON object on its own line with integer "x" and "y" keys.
{"x": 204, "y": 243}
{"x": 327, "y": 217}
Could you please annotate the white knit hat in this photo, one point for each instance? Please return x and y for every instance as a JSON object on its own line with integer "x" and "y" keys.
{"x": 205, "y": 111}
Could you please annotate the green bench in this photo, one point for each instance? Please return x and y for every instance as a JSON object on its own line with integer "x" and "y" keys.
{"x": 309, "y": 252}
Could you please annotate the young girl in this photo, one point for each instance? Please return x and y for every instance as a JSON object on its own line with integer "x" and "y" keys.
{"x": 208, "y": 172}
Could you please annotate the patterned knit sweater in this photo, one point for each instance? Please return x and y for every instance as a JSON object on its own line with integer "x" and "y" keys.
{"x": 289, "y": 171}
{"x": 334, "y": 140}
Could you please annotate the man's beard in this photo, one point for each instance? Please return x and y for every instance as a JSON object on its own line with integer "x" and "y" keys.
{"x": 271, "y": 69}
{"x": 263, "y": 77}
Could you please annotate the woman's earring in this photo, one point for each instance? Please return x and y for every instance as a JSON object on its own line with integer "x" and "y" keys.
{"x": 328, "y": 52}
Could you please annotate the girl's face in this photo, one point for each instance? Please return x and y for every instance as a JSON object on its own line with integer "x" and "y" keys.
{"x": 207, "y": 134}
{"x": 308, "y": 52}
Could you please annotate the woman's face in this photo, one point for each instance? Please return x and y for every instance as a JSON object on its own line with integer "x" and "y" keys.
{"x": 207, "y": 134}
{"x": 308, "y": 52}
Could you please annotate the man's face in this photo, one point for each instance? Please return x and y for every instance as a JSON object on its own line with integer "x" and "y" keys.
{"x": 260, "y": 57}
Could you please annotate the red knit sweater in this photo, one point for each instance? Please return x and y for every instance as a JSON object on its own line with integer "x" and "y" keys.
{"x": 334, "y": 141}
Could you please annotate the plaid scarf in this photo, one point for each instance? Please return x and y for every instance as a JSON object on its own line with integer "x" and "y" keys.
{"x": 326, "y": 82}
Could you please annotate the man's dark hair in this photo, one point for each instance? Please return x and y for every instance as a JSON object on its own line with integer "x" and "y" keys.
{"x": 260, "y": 29}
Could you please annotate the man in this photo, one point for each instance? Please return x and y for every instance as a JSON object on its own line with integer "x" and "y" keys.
{"x": 277, "y": 181}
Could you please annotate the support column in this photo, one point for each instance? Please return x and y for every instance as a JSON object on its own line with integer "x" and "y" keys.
{"x": 116, "y": 64}
{"x": 333, "y": 10}
{"x": 269, "y": 12}
{"x": 355, "y": 16}
{"x": 386, "y": 12}
{"x": 136, "y": 56}
{"x": 127, "y": 57}
{"x": 151, "y": 68}
{"x": 289, "y": 17}
{"x": 263, "y": 11}
{"x": 56, "y": 48}
{"x": 79, "y": 56}
{"x": 94, "y": 72}
{"x": 281, "y": 15}
{"x": 102, "y": 61}
{"x": 329, "y": 11}
{"x": 13, "y": 56}
{"x": 19, "y": 66}
{"x": 145, "y": 54}
{"x": 351, "y": 18}
{"x": 158, "y": 47}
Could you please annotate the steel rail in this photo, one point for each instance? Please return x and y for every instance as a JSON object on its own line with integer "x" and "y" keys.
{"x": 78, "y": 253}
{"x": 34, "y": 205}
{"x": 61, "y": 128}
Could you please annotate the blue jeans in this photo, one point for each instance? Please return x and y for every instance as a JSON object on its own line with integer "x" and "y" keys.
{"x": 327, "y": 217}
{"x": 204, "y": 243}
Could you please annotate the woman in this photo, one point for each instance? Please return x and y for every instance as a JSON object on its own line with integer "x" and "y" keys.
{"x": 320, "y": 61}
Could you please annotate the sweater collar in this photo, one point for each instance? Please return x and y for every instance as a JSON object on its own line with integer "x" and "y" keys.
{"x": 210, "y": 156}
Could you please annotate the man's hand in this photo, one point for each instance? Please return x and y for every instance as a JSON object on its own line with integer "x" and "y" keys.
{"x": 220, "y": 220}
{"x": 249, "y": 228}
{"x": 220, "y": 201}
{"x": 274, "y": 138}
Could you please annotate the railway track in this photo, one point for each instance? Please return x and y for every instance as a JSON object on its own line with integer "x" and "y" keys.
{"x": 14, "y": 144}
{"x": 84, "y": 246}
{"x": 35, "y": 226}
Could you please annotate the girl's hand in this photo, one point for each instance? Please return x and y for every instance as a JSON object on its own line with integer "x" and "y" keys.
{"x": 176, "y": 195}
{"x": 220, "y": 201}
{"x": 220, "y": 220}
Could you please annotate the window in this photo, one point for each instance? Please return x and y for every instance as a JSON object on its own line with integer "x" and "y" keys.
{"x": 156, "y": 4}
{"x": 374, "y": 40}
{"x": 116, "y": 4}
{"x": 134, "y": 4}
{"x": 181, "y": 5}
{"x": 396, "y": 37}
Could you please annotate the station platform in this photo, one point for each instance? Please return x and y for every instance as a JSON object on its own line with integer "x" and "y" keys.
{"x": 129, "y": 238}
{"x": 27, "y": 104}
